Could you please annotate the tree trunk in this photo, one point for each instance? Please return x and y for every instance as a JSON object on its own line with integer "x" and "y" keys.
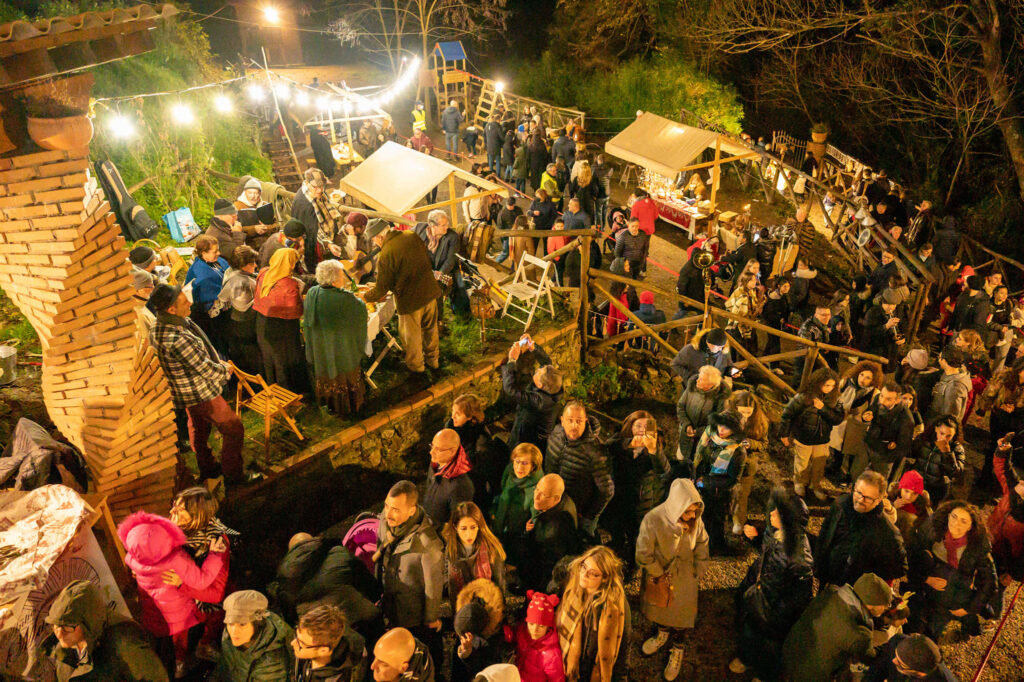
{"x": 995, "y": 76}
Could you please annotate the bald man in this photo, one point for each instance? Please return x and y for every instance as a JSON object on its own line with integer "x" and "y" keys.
{"x": 550, "y": 534}
{"x": 448, "y": 481}
{"x": 399, "y": 655}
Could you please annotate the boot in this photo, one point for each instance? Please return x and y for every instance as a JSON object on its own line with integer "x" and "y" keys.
{"x": 675, "y": 662}
{"x": 655, "y": 642}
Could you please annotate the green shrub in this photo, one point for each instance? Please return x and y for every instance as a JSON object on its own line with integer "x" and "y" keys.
{"x": 597, "y": 385}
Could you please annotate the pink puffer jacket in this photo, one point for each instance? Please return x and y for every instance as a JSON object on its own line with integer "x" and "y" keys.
{"x": 154, "y": 545}
{"x": 539, "y": 660}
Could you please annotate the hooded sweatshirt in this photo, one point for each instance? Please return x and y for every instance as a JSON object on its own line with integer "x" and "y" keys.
{"x": 950, "y": 395}
{"x": 116, "y": 647}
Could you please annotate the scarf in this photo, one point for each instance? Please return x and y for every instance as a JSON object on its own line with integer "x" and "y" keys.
{"x": 481, "y": 567}
{"x": 197, "y": 543}
{"x": 511, "y": 483}
{"x": 282, "y": 263}
{"x": 391, "y": 536}
{"x": 953, "y": 547}
{"x": 610, "y": 626}
{"x": 456, "y": 467}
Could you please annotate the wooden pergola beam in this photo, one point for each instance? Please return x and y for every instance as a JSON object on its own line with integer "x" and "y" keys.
{"x": 634, "y": 319}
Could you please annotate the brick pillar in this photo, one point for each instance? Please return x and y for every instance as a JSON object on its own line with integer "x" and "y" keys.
{"x": 63, "y": 264}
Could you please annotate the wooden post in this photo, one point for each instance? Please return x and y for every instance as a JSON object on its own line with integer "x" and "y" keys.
{"x": 809, "y": 361}
{"x": 634, "y": 319}
{"x": 583, "y": 320}
{"x": 455, "y": 207}
{"x": 717, "y": 170}
{"x": 768, "y": 198}
{"x": 632, "y": 334}
{"x": 922, "y": 301}
{"x": 770, "y": 375}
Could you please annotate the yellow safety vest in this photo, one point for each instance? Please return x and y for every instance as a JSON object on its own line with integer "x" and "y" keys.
{"x": 419, "y": 120}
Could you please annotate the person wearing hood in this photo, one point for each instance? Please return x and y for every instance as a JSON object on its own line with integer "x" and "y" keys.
{"x": 92, "y": 643}
{"x": 947, "y": 240}
{"x": 537, "y": 402}
{"x": 471, "y": 551}
{"x": 538, "y": 654}
{"x": 672, "y": 549}
{"x": 800, "y": 290}
{"x": 777, "y": 588}
{"x": 513, "y": 505}
{"x": 154, "y": 545}
{"x": 448, "y": 481}
{"x": 949, "y": 397}
{"x": 1006, "y": 522}
{"x": 256, "y": 642}
{"x": 225, "y": 227}
{"x": 575, "y": 453}
{"x": 705, "y": 394}
{"x": 707, "y": 348}
{"x": 479, "y": 617}
{"x": 400, "y": 656}
{"x": 835, "y": 630}
{"x": 908, "y": 504}
{"x": 318, "y": 571}
{"x": 250, "y": 200}
{"x": 326, "y": 649}
{"x": 909, "y": 658}
{"x": 806, "y": 426}
{"x": 856, "y": 537}
{"x": 410, "y": 562}
{"x": 550, "y": 532}
{"x": 952, "y": 573}
{"x": 719, "y": 460}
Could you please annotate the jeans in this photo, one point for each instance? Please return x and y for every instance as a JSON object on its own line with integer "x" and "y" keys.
{"x": 494, "y": 162}
{"x": 508, "y": 172}
{"x": 451, "y": 142}
{"x": 202, "y": 417}
{"x": 521, "y": 185}
{"x": 504, "y": 251}
{"x": 602, "y": 212}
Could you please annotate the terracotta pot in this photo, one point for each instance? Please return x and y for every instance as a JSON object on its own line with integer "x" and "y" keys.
{"x": 819, "y": 137}
{"x": 68, "y": 132}
{"x": 817, "y": 149}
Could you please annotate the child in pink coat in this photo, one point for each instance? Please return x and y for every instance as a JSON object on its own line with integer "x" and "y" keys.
{"x": 155, "y": 545}
{"x": 538, "y": 655}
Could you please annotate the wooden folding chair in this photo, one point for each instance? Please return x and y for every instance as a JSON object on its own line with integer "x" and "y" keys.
{"x": 269, "y": 400}
{"x": 528, "y": 291}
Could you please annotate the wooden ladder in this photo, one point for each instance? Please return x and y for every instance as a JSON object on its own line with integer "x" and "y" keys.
{"x": 485, "y": 104}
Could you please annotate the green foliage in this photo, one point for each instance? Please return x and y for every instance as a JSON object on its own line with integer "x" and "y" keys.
{"x": 597, "y": 385}
{"x": 663, "y": 84}
{"x": 14, "y": 326}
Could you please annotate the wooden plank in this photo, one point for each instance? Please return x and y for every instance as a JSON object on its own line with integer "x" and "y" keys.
{"x": 770, "y": 375}
{"x": 634, "y": 319}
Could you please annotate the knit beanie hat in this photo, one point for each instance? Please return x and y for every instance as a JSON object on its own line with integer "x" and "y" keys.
{"x": 716, "y": 337}
{"x": 919, "y": 653}
{"x": 471, "y": 618}
{"x": 872, "y": 590}
{"x": 541, "y": 608}
{"x": 141, "y": 256}
{"x": 142, "y": 279}
{"x": 293, "y": 229}
{"x": 912, "y": 481}
{"x": 647, "y": 297}
{"x": 224, "y": 207}
{"x": 356, "y": 219}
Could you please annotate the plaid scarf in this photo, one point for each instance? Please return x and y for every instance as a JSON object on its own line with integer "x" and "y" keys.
{"x": 456, "y": 467}
{"x": 198, "y": 545}
{"x": 610, "y": 626}
{"x": 481, "y": 568}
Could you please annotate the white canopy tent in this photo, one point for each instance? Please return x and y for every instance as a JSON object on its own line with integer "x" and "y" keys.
{"x": 395, "y": 178}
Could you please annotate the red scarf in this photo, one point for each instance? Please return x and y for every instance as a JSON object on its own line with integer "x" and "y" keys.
{"x": 481, "y": 568}
{"x": 458, "y": 466}
{"x": 953, "y": 546}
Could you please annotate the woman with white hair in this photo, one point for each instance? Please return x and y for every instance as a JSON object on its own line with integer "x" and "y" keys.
{"x": 335, "y": 324}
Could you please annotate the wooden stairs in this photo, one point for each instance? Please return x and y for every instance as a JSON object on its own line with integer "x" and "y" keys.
{"x": 285, "y": 173}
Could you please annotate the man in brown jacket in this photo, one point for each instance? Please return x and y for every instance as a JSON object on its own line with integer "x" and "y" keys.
{"x": 404, "y": 268}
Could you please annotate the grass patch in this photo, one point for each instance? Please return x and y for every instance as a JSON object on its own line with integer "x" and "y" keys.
{"x": 14, "y": 325}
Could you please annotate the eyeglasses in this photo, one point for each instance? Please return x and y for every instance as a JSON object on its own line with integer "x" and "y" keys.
{"x": 303, "y": 645}
{"x": 857, "y": 493}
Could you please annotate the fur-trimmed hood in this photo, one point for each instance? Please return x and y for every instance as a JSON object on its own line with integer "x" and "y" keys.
{"x": 490, "y": 595}
{"x": 149, "y": 539}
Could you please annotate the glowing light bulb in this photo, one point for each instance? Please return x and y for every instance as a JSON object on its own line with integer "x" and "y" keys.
{"x": 323, "y": 102}
{"x": 281, "y": 90}
{"x": 271, "y": 15}
{"x": 256, "y": 92}
{"x": 121, "y": 127}
{"x": 182, "y": 114}
{"x": 301, "y": 98}
{"x": 499, "y": 87}
{"x": 223, "y": 104}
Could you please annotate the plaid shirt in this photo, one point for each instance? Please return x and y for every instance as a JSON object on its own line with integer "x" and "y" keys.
{"x": 192, "y": 366}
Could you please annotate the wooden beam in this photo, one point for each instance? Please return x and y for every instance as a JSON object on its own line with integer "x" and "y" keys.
{"x": 634, "y": 319}
{"x": 583, "y": 313}
{"x": 770, "y": 375}
{"x": 451, "y": 198}
{"x": 774, "y": 357}
{"x": 809, "y": 361}
{"x": 456, "y": 200}
{"x": 998, "y": 256}
{"x": 599, "y": 343}
{"x": 722, "y": 162}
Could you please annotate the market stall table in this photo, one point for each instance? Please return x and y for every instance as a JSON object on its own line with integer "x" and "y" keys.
{"x": 381, "y": 314}
{"x": 679, "y": 214}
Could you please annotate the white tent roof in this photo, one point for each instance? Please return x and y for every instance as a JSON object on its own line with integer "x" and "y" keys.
{"x": 395, "y": 178}
{"x": 664, "y": 146}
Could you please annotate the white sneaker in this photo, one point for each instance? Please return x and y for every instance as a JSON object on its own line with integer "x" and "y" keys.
{"x": 736, "y": 666}
{"x": 799, "y": 489}
{"x": 655, "y": 642}
{"x": 675, "y": 661}
{"x": 737, "y": 528}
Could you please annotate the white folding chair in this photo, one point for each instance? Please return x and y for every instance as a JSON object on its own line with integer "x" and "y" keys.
{"x": 529, "y": 291}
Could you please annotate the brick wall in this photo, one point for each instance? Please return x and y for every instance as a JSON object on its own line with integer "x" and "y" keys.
{"x": 63, "y": 264}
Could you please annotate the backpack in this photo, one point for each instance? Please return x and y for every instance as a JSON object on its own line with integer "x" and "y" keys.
{"x": 361, "y": 539}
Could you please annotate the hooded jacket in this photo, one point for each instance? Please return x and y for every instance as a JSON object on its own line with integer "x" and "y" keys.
{"x": 807, "y": 424}
{"x": 539, "y": 660}
{"x": 349, "y": 662}
{"x": 662, "y": 547}
{"x": 949, "y": 397}
{"x": 117, "y": 648}
{"x": 410, "y": 567}
{"x": 153, "y": 545}
{"x": 583, "y": 465}
{"x": 696, "y": 354}
{"x": 693, "y": 409}
{"x": 267, "y": 657}
{"x": 834, "y": 629}
{"x": 852, "y": 543}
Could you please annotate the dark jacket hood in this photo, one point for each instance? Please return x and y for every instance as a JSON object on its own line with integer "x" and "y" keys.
{"x": 81, "y": 603}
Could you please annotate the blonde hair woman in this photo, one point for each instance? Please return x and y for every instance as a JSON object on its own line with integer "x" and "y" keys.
{"x": 593, "y": 619}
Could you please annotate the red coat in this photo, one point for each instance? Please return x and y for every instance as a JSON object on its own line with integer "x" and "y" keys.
{"x": 539, "y": 660}
{"x": 284, "y": 300}
{"x": 154, "y": 545}
{"x": 646, "y": 211}
{"x": 616, "y": 318}
{"x": 1007, "y": 532}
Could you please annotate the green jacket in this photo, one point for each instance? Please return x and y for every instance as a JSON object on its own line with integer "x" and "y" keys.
{"x": 404, "y": 267}
{"x": 520, "y": 171}
{"x": 267, "y": 658}
{"x": 118, "y": 650}
{"x": 335, "y": 324}
{"x": 833, "y": 631}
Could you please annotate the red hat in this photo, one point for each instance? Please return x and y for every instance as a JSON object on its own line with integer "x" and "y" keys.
{"x": 541, "y": 609}
{"x": 356, "y": 219}
{"x": 912, "y": 481}
{"x": 647, "y": 297}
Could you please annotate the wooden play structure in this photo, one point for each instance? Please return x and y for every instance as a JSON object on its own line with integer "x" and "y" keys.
{"x": 451, "y": 78}
{"x": 63, "y": 263}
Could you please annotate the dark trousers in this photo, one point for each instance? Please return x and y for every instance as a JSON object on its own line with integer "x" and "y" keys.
{"x": 202, "y": 417}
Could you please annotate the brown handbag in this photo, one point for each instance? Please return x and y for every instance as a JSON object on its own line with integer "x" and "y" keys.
{"x": 659, "y": 591}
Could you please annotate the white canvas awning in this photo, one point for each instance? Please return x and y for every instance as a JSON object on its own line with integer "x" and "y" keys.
{"x": 395, "y": 178}
{"x": 666, "y": 147}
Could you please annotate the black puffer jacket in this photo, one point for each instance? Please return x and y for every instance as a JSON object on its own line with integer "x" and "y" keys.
{"x": 935, "y": 466}
{"x": 851, "y": 544}
{"x": 807, "y": 424}
{"x": 784, "y": 585}
{"x": 692, "y": 357}
{"x": 583, "y": 465}
{"x": 889, "y": 426}
{"x": 323, "y": 571}
{"x": 971, "y": 585}
{"x": 693, "y": 409}
{"x": 536, "y": 410}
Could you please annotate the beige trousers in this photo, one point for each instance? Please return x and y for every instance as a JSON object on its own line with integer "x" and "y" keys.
{"x": 809, "y": 463}
{"x": 418, "y": 330}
